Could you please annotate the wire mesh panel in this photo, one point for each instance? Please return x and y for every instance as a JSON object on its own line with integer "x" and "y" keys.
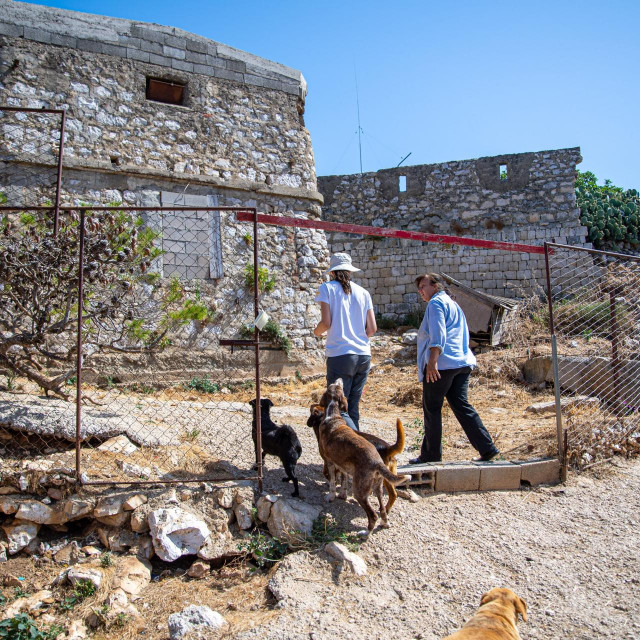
{"x": 161, "y": 398}
{"x": 177, "y": 399}
{"x": 38, "y": 296}
{"x": 596, "y": 319}
{"x": 29, "y": 155}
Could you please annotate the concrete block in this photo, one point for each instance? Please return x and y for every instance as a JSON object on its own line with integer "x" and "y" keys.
{"x": 497, "y": 477}
{"x": 114, "y": 50}
{"x": 39, "y": 35}
{"x": 89, "y": 45}
{"x": 151, "y": 47}
{"x": 540, "y": 472}
{"x": 464, "y": 477}
{"x": 423, "y": 475}
{"x": 11, "y": 30}
{"x": 197, "y": 46}
{"x": 64, "y": 41}
{"x": 160, "y": 60}
{"x": 136, "y": 54}
{"x": 181, "y": 65}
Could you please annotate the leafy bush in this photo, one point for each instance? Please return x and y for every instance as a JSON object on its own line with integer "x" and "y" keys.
{"x": 265, "y": 283}
{"x": 39, "y": 266}
{"x": 611, "y": 214}
{"x": 22, "y": 627}
{"x": 385, "y": 323}
{"x": 264, "y": 549}
{"x": 203, "y": 385}
{"x": 82, "y": 589}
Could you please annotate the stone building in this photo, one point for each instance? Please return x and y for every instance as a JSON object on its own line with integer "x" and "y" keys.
{"x": 526, "y": 198}
{"x": 156, "y": 117}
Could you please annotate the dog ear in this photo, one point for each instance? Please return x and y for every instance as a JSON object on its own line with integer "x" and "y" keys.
{"x": 344, "y": 406}
{"x": 521, "y": 608}
{"x": 253, "y": 403}
{"x": 268, "y": 403}
{"x": 487, "y": 597}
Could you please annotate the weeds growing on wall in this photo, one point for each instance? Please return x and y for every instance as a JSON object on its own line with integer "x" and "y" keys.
{"x": 273, "y": 333}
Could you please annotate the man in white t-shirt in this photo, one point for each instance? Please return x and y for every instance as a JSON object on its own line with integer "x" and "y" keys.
{"x": 349, "y": 320}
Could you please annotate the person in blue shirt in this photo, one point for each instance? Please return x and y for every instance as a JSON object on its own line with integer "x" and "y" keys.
{"x": 348, "y": 318}
{"x": 445, "y": 361}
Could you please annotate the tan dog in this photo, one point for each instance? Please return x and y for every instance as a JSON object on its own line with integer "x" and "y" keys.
{"x": 496, "y": 618}
{"x": 344, "y": 450}
{"x": 388, "y": 452}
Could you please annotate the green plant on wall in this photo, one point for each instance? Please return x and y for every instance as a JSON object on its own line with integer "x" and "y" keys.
{"x": 266, "y": 282}
{"x": 273, "y": 332}
{"x": 611, "y": 214}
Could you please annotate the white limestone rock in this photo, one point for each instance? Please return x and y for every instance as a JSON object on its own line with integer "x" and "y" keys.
{"x": 176, "y": 532}
{"x": 194, "y": 619}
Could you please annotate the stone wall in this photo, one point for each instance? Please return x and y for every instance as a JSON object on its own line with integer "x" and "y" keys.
{"x": 526, "y": 198}
{"x": 238, "y": 139}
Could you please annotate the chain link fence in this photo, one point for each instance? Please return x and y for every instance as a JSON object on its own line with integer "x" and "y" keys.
{"x": 595, "y": 323}
{"x": 161, "y": 396}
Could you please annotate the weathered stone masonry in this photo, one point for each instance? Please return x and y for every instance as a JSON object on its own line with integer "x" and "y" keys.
{"x": 237, "y": 140}
{"x": 532, "y": 202}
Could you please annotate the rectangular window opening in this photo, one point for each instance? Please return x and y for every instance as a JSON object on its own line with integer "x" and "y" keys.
{"x": 166, "y": 91}
{"x": 402, "y": 184}
{"x": 504, "y": 172}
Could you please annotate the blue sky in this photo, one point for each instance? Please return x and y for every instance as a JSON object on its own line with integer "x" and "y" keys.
{"x": 440, "y": 80}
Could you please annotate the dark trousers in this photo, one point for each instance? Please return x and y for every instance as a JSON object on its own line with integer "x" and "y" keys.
{"x": 354, "y": 370}
{"x": 453, "y": 385}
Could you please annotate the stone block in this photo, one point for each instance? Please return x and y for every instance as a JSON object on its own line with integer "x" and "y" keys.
{"x": 37, "y": 34}
{"x": 540, "y": 472}
{"x": 11, "y": 30}
{"x": 181, "y": 65}
{"x": 464, "y": 477}
{"x": 496, "y": 477}
{"x": 114, "y": 50}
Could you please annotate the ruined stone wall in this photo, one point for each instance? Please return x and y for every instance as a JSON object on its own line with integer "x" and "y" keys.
{"x": 238, "y": 139}
{"x": 533, "y": 201}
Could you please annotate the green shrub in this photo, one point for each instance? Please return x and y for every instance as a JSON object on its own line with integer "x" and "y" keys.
{"x": 265, "y": 283}
{"x": 22, "y": 627}
{"x": 611, "y": 214}
{"x": 386, "y": 323}
{"x": 203, "y": 385}
{"x": 264, "y": 549}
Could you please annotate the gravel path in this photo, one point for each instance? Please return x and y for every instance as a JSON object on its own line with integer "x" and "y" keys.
{"x": 572, "y": 552}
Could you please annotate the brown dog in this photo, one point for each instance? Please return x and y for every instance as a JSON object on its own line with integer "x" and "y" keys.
{"x": 496, "y": 618}
{"x": 344, "y": 450}
{"x": 388, "y": 452}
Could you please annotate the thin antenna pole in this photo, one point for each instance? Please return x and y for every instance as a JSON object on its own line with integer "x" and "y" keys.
{"x": 359, "y": 127}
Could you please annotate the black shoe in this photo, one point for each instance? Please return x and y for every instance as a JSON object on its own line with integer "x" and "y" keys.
{"x": 421, "y": 461}
{"x": 487, "y": 457}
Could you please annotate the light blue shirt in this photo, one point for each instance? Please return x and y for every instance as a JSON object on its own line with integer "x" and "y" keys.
{"x": 444, "y": 326}
{"x": 348, "y": 319}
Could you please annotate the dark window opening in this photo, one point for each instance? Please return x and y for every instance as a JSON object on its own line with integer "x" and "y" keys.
{"x": 166, "y": 91}
{"x": 504, "y": 172}
{"x": 402, "y": 184}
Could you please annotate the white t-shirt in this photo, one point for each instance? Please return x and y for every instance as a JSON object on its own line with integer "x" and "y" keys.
{"x": 348, "y": 319}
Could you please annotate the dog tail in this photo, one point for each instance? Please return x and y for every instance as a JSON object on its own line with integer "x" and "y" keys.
{"x": 392, "y": 478}
{"x": 398, "y": 447}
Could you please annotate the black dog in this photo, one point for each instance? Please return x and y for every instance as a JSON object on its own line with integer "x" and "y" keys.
{"x": 277, "y": 441}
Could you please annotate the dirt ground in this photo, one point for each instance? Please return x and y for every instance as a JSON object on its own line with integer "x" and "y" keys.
{"x": 569, "y": 551}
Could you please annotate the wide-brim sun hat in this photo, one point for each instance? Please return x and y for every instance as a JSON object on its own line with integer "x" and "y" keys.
{"x": 341, "y": 262}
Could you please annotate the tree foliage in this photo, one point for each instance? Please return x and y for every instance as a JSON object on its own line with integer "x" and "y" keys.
{"x": 126, "y": 305}
{"x": 611, "y": 214}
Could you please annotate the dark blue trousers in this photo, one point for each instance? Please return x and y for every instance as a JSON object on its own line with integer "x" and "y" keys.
{"x": 354, "y": 370}
{"x": 453, "y": 385}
